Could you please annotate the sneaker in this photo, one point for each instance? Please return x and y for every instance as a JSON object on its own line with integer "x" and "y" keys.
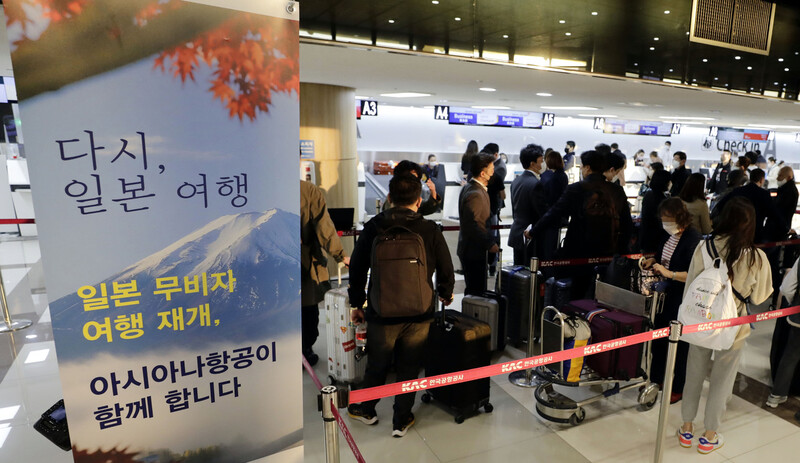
{"x": 359, "y": 412}
{"x": 685, "y": 438}
{"x": 774, "y": 400}
{"x": 401, "y": 430}
{"x": 311, "y": 357}
{"x": 706, "y": 447}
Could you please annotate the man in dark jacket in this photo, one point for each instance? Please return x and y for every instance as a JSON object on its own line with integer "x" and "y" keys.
{"x": 761, "y": 200}
{"x": 679, "y": 174}
{"x": 719, "y": 179}
{"x": 399, "y": 338}
{"x": 528, "y": 201}
{"x": 475, "y": 238}
{"x": 497, "y": 194}
{"x": 599, "y": 219}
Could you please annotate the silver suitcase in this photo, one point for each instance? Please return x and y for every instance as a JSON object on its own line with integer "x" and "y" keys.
{"x": 488, "y": 311}
{"x": 342, "y": 364}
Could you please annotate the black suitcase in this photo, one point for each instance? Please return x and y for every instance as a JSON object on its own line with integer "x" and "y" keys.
{"x": 515, "y": 284}
{"x": 459, "y": 343}
{"x": 557, "y": 293}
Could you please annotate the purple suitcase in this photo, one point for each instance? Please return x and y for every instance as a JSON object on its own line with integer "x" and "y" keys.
{"x": 622, "y": 364}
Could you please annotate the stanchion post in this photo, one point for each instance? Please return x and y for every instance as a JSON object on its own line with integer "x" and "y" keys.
{"x": 331, "y": 432}
{"x": 527, "y": 378}
{"x": 669, "y": 372}
{"x": 9, "y": 324}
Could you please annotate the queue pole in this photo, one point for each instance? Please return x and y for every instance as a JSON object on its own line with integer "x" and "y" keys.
{"x": 527, "y": 378}
{"x": 669, "y": 373}
{"x": 10, "y": 325}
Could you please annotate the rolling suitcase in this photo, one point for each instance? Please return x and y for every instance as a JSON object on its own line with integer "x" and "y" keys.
{"x": 515, "y": 284}
{"x": 557, "y": 292}
{"x": 491, "y": 308}
{"x": 458, "y": 342}
{"x": 342, "y": 364}
{"x": 607, "y": 324}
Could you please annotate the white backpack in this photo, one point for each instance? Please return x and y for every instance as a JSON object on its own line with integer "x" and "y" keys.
{"x": 710, "y": 298}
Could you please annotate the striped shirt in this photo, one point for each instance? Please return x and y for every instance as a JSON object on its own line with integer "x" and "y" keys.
{"x": 669, "y": 249}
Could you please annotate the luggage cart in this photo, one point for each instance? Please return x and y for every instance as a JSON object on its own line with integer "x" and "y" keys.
{"x": 555, "y": 406}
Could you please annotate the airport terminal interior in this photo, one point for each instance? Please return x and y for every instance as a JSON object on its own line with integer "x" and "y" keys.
{"x": 388, "y": 80}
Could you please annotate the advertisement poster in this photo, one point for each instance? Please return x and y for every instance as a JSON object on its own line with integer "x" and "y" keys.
{"x": 161, "y": 138}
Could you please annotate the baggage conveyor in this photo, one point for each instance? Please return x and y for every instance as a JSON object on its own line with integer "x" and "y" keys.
{"x": 558, "y": 407}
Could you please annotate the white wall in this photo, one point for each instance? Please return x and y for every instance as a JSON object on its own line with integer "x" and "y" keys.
{"x": 414, "y": 130}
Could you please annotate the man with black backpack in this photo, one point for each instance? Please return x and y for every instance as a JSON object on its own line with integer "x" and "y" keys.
{"x": 599, "y": 220}
{"x": 402, "y": 250}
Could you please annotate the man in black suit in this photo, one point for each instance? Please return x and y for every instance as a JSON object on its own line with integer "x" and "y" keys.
{"x": 528, "y": 201}
{"x": 679, "y": 174}
{"x": 475, "y": 238}
{"x": 761, "y": 200}
{"x": 497, "y": 194}
{"x": 719, "y": 180}
{"x": 600, "y": 220}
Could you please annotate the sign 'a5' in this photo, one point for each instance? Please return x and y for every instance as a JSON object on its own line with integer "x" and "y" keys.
{"x": 369, "y": 108}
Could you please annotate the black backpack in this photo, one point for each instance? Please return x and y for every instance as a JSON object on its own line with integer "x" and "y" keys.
{"x": 601, "y": 221}
{"x": 399, "y": 279}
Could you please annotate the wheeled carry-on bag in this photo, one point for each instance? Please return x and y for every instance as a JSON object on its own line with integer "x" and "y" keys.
{"x": 342, "y": 364}
{"x": 557, "y": 292}
{"x": 607, "y": 324}
{"x": 458, "y": 342}
{"x": 515, "y": 284}
{"x": 490, "y": 307}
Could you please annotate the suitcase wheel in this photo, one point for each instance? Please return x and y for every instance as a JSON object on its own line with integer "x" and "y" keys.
{"x": 488, "y": 408}
{"x": 577, "y": 417}
{"x": 426, "y": 398}
{"x": 459, "y": 419}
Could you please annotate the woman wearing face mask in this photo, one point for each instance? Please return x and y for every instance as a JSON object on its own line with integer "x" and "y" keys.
{"x": 672, "y": 263}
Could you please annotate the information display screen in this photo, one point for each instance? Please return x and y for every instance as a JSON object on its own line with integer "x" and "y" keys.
{"x": 495, "y": 118}
{"x": 730, "y": 134}
{"x": 662, "y": 129}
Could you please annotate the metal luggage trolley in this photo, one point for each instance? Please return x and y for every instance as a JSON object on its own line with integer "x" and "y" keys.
{"x": 554, "y": 406}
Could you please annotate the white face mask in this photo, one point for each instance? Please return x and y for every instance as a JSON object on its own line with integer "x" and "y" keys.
{"x": 676, "y": 164}
{"x": 781, "y": 183}
{"x": 671, "y": 228}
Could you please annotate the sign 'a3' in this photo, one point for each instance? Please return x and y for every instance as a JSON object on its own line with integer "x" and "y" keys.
{"x": 369, "y": 108}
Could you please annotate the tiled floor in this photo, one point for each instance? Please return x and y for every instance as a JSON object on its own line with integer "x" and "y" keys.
{"x": 615, "y": 429}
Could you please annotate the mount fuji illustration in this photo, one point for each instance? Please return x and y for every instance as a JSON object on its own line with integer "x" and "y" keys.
{"x": 261, "y": 249}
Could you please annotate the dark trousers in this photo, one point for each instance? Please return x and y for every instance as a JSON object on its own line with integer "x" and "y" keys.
{"x": 474, "y": 275}
{"x": 788, "y": 363}
{"x": 310, "y": 325}
{"x": 659, "y": 364}
{"x": 406, "y": 344}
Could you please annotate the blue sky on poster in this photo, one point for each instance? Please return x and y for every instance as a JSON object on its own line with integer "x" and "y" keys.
{"x": 116, "y": 105}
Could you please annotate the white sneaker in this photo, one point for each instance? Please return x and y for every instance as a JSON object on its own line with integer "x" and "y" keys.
{"x": 774, "y": 400}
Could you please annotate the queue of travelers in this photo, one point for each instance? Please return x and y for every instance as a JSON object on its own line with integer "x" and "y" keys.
{"x": 675, "y": 225}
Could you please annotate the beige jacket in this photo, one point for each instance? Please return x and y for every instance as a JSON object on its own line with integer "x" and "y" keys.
{"x": 317, "y": 232}
{"x": 701, "y": 217}
{"x": 754, "y": 282}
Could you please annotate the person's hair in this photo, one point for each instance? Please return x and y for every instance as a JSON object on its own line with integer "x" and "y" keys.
{"x": 681, "y": 155}
{"x": 657, "y": 166}
{"x": 736, "y": 178}
{"x": 614, "y": 146}
{"x": 772, "y": 158}
{"x": 737, "y": 222}
{"x": 786, "y": 172}
{"x": 554, "y": 160}
{"x": 406, "y": 167}
{"x": 472, "y": 148}
{"x": 491, "y": 148}
{"x": 751, "y": 156}
{"x": 756, "y": 175}
{"x": 596, "y": 162}
{"x": 614, "y": 161}
{"x": 571, "y": 144}
{"x": 602, "y": 148}
{"x": 668, "y": 143}
{"x": 675, "y": 208}
{"x": 529, "y": 154}
{"x": 694, "y": 188}
{"x": 743, "y": 162}
{"x": 641, "y": 151}
{"x": 431, "y": 156}
{"x": 726, "y": 151}
{"x": 479, "y": 162}
{"x": 404, "y": 190}
{"x": 653, "y": 154}
{"x": 660, "y": 181}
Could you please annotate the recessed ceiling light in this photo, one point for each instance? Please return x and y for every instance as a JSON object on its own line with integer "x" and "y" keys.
{"x": 561, "y": 21}
{"x": 568, "y": 33}
{"x": 687, "y": 118}
{"x": 687, "y": 32}
{"x": 655, "y": 38}
{"x": 36, "y": 356}
{"x": 652, "y": 48}
{"x": 489, "y": 107}
{"x": 505, "y": 36}
{"x": 435, "y": 2}
{"x": 405, "y": 95}
{"x": 544, "y": 94}
{"x": 776, "y": 83}
{"x": 635, "y": 64}
{"x": 457, "y": 18}
{"x": 716, "y": 78}
{"x": 391, "y": 21}
{"x": 705, "y": 60}
{"x": 780, "y": 60}
{"x": 737, "y": 57}
{"x": 594, "y": 13}
{"x": 670, "y": 70}
{"x": 749, "y": 68}
{"x": 573, "y": 108}
{"x": 487, "y": 89}
{"x": 694, "y": 80}
{"x": 666, "y": 11}
{"x": 785, "y": 69}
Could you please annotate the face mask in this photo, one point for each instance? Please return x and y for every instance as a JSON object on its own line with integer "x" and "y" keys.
{"x": 781, "y": 183}
{"x": 676, "y": 164}
{"x": 671, "y": 228}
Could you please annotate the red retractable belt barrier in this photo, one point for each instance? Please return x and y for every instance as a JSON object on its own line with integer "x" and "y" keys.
{"x": 16, "y": 221}
{"x": 388, "y": 390}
